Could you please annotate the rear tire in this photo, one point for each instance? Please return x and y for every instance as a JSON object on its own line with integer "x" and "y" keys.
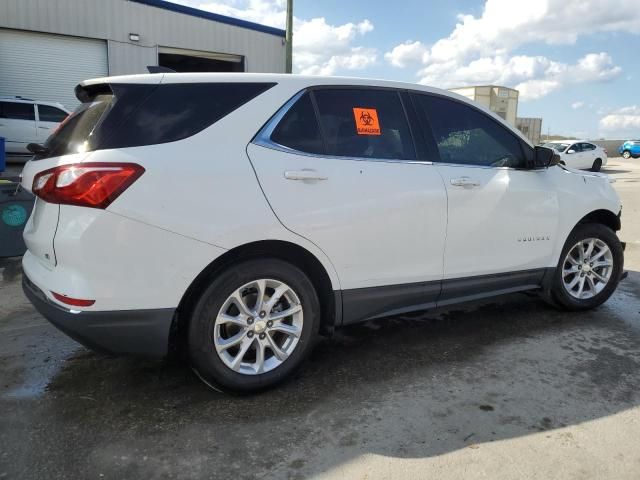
{"x": 597, "y": 165}
{"x": 626, "y": 154}
{"x": 240, "y": 339}
{"x": 589, "y": 269}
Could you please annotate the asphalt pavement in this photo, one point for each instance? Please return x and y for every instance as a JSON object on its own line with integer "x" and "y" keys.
{"x": 507, "y": 388}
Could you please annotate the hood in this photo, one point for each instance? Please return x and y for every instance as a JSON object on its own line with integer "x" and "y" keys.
{"x": 584, "y": 173}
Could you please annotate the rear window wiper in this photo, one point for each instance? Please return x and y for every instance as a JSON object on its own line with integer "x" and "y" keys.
{"x": 37, "y": 149}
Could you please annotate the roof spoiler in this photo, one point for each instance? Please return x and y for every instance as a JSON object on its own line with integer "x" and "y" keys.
{"x": 159, "y": 69}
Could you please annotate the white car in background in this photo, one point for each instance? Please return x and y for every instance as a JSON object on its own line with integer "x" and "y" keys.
{"x": 579, "y": 154}
{"x": 24, "y": 121}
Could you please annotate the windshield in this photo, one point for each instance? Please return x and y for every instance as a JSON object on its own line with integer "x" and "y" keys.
{"x": 560, "y": 147}
{"x": 74, "y": 134}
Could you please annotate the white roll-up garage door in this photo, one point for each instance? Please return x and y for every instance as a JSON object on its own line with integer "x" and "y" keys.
{"x": 43, "y": 66}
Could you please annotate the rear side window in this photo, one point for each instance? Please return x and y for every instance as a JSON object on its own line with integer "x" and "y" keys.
{"x": 364, "y": 123}
{"x": 47, "y": 113}
{"x": 17, "y": 111}
{"x": 177, "y": 111}
{"x": 123, "y": 115}
{"x": 587, "y": 147}
{"x": 299, "y": 128}
{"x": 466, "y": 136}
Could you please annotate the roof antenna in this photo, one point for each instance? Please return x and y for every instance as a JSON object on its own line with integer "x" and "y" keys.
{"x": 159, "y": 69}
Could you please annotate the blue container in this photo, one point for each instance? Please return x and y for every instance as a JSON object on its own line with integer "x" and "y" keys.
{"x": 15, "y": 208}
{"x": 3, "y": 160}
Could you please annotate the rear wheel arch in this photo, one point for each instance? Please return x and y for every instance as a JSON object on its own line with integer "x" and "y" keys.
{"x": 287, "y": 251}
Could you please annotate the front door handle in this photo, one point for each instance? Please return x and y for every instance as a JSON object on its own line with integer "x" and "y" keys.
{"x": 465, "y": 182}
{"x": 304, "y": 175}
{"x": 44, "y": 128}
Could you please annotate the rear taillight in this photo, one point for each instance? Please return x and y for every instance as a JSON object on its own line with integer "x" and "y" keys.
{"x": 94, "y": 185}
{"x": 76, "y": 302}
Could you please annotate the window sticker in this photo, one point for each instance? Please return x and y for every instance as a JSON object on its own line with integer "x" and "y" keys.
{"x": 367, "y": 122}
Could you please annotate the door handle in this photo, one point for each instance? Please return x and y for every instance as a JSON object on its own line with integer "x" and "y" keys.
{"x": 304, "y": 175}
{"x": 44, "y": 128}
{"x": 464, "y": 182}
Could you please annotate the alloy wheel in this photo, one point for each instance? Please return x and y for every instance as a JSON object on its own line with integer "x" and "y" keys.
{"x": 258, "y": 326}
{"x": 587, "y": 268}
{"x": 626, "y": 155}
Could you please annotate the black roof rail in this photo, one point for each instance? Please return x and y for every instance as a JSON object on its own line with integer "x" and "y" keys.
{"x": 159, "y": 69}
{"x": 19, "y": 98}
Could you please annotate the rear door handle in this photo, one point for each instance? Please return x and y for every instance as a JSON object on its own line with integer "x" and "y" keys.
{"x": 465, "y": 182}
{"x": 45, "y": 128}
{"x": 308, "y": 175}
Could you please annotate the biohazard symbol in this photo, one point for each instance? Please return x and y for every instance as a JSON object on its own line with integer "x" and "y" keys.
{"x": 367, "y": 122}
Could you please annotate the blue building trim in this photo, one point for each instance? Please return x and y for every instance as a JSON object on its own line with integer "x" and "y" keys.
{"x": 194, "y": 12}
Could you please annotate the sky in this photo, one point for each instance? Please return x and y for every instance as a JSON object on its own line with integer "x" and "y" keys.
{"x": 575, "y": 62}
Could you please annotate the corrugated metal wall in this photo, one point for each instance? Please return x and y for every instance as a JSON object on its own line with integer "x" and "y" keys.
{"x": 47, "y": 67}
{"x": 114, "y": 20}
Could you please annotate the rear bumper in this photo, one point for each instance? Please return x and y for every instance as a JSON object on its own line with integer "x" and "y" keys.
{"x": 125, "y": 332}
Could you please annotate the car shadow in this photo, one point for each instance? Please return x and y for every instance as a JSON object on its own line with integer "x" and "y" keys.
{"x": 412, "y": 386}
{"x": 612, "y": 171}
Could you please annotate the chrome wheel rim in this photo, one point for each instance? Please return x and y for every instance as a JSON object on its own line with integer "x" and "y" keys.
{"x": 587, "y": 268}
{"x": 626, "y": 155}
{"x": 258, "y": 326}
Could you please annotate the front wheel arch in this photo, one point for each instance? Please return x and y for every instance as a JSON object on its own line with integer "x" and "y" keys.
{"x": 604, "y": 217}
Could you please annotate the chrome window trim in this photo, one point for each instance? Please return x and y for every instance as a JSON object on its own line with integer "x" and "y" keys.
{"x": 489, "y": 167}
{"x": 263, "y": 139}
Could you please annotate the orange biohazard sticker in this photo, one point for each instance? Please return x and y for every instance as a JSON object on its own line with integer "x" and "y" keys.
{"x": 367, "y": 122}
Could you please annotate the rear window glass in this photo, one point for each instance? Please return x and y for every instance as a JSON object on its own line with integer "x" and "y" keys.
{"x": 136, "y": 115}
{"x": 17, "y": 111}
{"x": 364, "y": 123}
{"x": 299, "y": 128}
{"x": 74, "y": 134}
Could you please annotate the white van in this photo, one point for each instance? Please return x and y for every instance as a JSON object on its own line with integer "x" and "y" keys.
{"x": 24, "y": 121}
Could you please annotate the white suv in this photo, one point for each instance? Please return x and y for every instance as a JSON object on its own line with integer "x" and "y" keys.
{"x": 236, "y": 216}
{"x": 24, "y": 121}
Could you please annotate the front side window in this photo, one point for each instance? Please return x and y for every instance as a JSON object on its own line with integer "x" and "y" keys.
{"x": 299, "y": 128}
{"x": 559, "y": 147}
{"x": 466, "y": 136}
{"x": 364, "y": 123}
{"x": 17, "y": 111}
{"x": 47, "y": 113}
{"x": 575, "y": 147}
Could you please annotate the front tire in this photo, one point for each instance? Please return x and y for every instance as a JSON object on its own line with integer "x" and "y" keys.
{"x": 597, "y": 165}
{"x": 253, "y": 326}
{"x": 590, "y": 268}
{"x": 626, "y": 154}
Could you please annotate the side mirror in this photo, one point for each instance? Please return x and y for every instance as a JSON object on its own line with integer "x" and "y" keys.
{"x": 545, "y": 157}
{"x": 571, "y": 151}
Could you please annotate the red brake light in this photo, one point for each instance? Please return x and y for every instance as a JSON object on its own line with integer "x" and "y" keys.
{"x": 94, "y": 185}
{"x": 76, "y": 302}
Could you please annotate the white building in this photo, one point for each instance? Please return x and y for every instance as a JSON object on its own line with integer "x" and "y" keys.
{"x": 49, "y": 46}
{"x": 501, "y": 100}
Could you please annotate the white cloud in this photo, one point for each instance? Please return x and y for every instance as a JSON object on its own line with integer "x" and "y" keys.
{"x": 623, "y": 122}
{"x": 577, "y": 105}
{"x": 319, "y": 48}
{"x": 481, "y": 49}
{"x": 408, "y": 53}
